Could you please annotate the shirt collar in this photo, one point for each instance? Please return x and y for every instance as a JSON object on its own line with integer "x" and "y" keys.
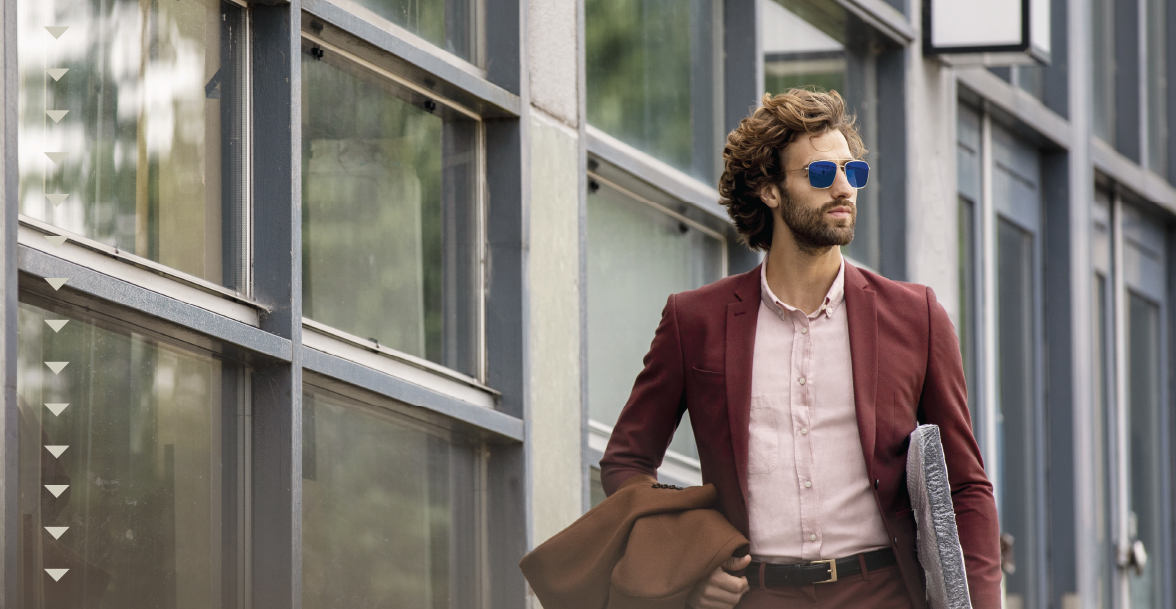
{"x": 833, "y": 298}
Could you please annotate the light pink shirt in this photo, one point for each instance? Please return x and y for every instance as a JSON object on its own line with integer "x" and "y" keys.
{"x": 809, "y": 493}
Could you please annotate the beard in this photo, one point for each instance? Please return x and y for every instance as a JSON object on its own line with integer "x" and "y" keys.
{"x": 812, "y": 229}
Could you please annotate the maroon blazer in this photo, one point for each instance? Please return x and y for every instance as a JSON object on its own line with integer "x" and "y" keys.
{"x": 906, "y": 370}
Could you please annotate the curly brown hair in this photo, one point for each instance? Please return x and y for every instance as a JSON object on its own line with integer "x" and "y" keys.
{"x": 754, "y": 154}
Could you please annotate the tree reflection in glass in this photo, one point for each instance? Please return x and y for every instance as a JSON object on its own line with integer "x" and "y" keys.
{"x": 390, "y": 247}
{"x": 154, "y": 95}
{"x": 151, "y": 466}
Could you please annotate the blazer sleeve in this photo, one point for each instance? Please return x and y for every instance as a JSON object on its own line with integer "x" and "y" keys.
{"x": 646, "y": 425}
{"x": 945, "y": 403}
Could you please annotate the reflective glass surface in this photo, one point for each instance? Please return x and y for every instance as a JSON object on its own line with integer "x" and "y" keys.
{"x": 652, "y": 78}
{"x": 1103, "y": 69}
{"x": 132, "y": 128}
{"x": 389, "y": 226}
{"x": 1145, "y": 520}
{"x": 817, "y": 45}
{"x": 1156, "y": 81}
{"x": 454, "y": 25}
{"x": 129, "y": 468}
{"x": 637, "y": 256}
{"x": 1017, "y": 424}
{"x": 389, "y": 509}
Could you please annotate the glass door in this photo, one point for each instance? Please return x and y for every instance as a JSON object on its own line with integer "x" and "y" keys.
{"x": 1138, "y": 479}
{"x": 1141, "y": 298}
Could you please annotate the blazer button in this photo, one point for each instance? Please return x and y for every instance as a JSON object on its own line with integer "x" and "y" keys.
{"x": 876, "y": 481}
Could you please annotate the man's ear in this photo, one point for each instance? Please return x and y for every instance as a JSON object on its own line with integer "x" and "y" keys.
{"x": 770, "y": 195}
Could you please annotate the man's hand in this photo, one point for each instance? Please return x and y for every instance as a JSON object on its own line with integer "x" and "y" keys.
{"x": 721, "y": 590}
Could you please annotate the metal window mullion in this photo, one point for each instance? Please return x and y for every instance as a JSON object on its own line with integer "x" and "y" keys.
{"x": 276, "y": 432}
{"x": 1118, "y": 306}
{"x": 987, "y": 261}
{"x": 9, "y": 418}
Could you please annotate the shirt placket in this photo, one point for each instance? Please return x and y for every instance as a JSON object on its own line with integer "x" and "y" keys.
{"x": 802, "y": 410}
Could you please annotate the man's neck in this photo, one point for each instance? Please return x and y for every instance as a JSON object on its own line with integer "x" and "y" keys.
{"x": 799, "y": 278}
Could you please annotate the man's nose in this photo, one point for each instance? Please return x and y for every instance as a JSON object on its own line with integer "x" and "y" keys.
{"x": 841, "y": 188}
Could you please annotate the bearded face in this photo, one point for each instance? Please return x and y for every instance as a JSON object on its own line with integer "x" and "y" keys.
{"x": 813, "y": 227}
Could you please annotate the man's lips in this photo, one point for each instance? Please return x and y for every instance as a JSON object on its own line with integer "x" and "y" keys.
{"x": 840, "y": 212}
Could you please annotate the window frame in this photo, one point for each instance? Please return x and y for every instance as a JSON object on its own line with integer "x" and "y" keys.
{"x": 266, "y": 327}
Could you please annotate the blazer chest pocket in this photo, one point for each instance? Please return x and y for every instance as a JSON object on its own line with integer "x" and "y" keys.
{"x": 707, "y": 376}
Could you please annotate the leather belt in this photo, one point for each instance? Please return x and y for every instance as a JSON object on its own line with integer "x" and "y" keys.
{"x": 817, "y": 571}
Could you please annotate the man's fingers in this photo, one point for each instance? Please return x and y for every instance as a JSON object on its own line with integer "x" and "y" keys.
{"x": 736, "y": 563}
{"x": 728, "y": 582}
{"x": 719, "y": 597}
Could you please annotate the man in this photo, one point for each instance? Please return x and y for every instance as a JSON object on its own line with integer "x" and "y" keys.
{"x": 804, "y": 379}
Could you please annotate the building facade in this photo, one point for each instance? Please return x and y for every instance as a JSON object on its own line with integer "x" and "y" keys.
{"x": 334, "y": 302}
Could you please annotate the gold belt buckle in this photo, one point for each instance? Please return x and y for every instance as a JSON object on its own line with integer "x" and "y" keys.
{"x": 832, "y": 570}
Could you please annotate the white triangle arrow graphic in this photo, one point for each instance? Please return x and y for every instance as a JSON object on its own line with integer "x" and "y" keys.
{"x": 57, "y": 115}
{"x": 56, "y": 240}
{"x": 56, "y": 574}
{"x": 56, "y": 449}
{"x": 57, "y": 489}
{"x": 57, "y": 30}
{"x": 56, "y": 408}
{"x": 57, "y": 324}
{"x": 56, "y": 73}
{"x": 56, "y": 532}
{"x": 56, "y": 367}
{"x": 56, "y": 157}
{"x": 56, "y": 198}
{"x": 57, "y": 282}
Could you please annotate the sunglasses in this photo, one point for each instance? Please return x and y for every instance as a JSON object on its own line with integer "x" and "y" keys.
{"x": 821, "y": 174}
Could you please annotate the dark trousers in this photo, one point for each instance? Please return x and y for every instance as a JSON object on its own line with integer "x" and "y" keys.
{"x": 879, "y": 589}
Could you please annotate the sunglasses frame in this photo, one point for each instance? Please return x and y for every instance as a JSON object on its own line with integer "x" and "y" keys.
{"x": 840, "y": 165}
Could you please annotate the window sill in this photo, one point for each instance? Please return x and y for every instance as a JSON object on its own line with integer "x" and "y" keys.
{"x": 415, "y": 370}
{"x": 139, "y": 271}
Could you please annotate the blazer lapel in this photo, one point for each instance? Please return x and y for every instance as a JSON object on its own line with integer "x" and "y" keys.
{"x": 740, "y": 348}
{"x": 862, "y": 314}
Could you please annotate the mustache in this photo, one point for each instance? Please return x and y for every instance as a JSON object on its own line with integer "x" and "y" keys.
{"x": 830, "y": 206}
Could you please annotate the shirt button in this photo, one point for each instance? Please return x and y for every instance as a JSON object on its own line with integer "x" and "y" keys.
{"x": 813, "y": 537}
{"x": 804, "y": 330}
{"x": 800, "y": 380}
{"x": 804, "y": 431}
{"x": 808, "y": 483}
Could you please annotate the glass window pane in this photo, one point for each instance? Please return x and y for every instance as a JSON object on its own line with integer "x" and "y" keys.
{"x": 453, "y": 25}
{"x": 1017, "y": 393}
{"x": 1103, "y": 68}
{"x": 637, "y": 256}
{"x": 1146, "y": 517}
{"x": 652, "y": 80}
{"x": 389, "y": 509}
{"x": 809, "y": 44}
{"x": 132, "y": 128}
{"x": 389, "y": 225}
{"x": 968, "y": 317}
{"x": 1156, "y": 82}
{"x": 128, "y": 467}
{"x": 596, "y": 488}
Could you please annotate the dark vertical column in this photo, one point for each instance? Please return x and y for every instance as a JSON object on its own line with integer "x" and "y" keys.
{"x": 9, "y": 419}
{"x": 892, "y": 163}
{"x": 1128, "y": 84}
{"x": 1059, "y": 291}
{"x": 743, "y": 64}
{"x": 277, "y": 245}
{"x": 505, "y": 330}
{"x": 1170, "y": 56}
{"x": 743, "y": 84}
{"x": 1056, "y": 74}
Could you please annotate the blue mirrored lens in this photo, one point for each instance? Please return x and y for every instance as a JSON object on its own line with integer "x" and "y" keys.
{"x": 857, "y": 172}
{"x": 822, "y": 173}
